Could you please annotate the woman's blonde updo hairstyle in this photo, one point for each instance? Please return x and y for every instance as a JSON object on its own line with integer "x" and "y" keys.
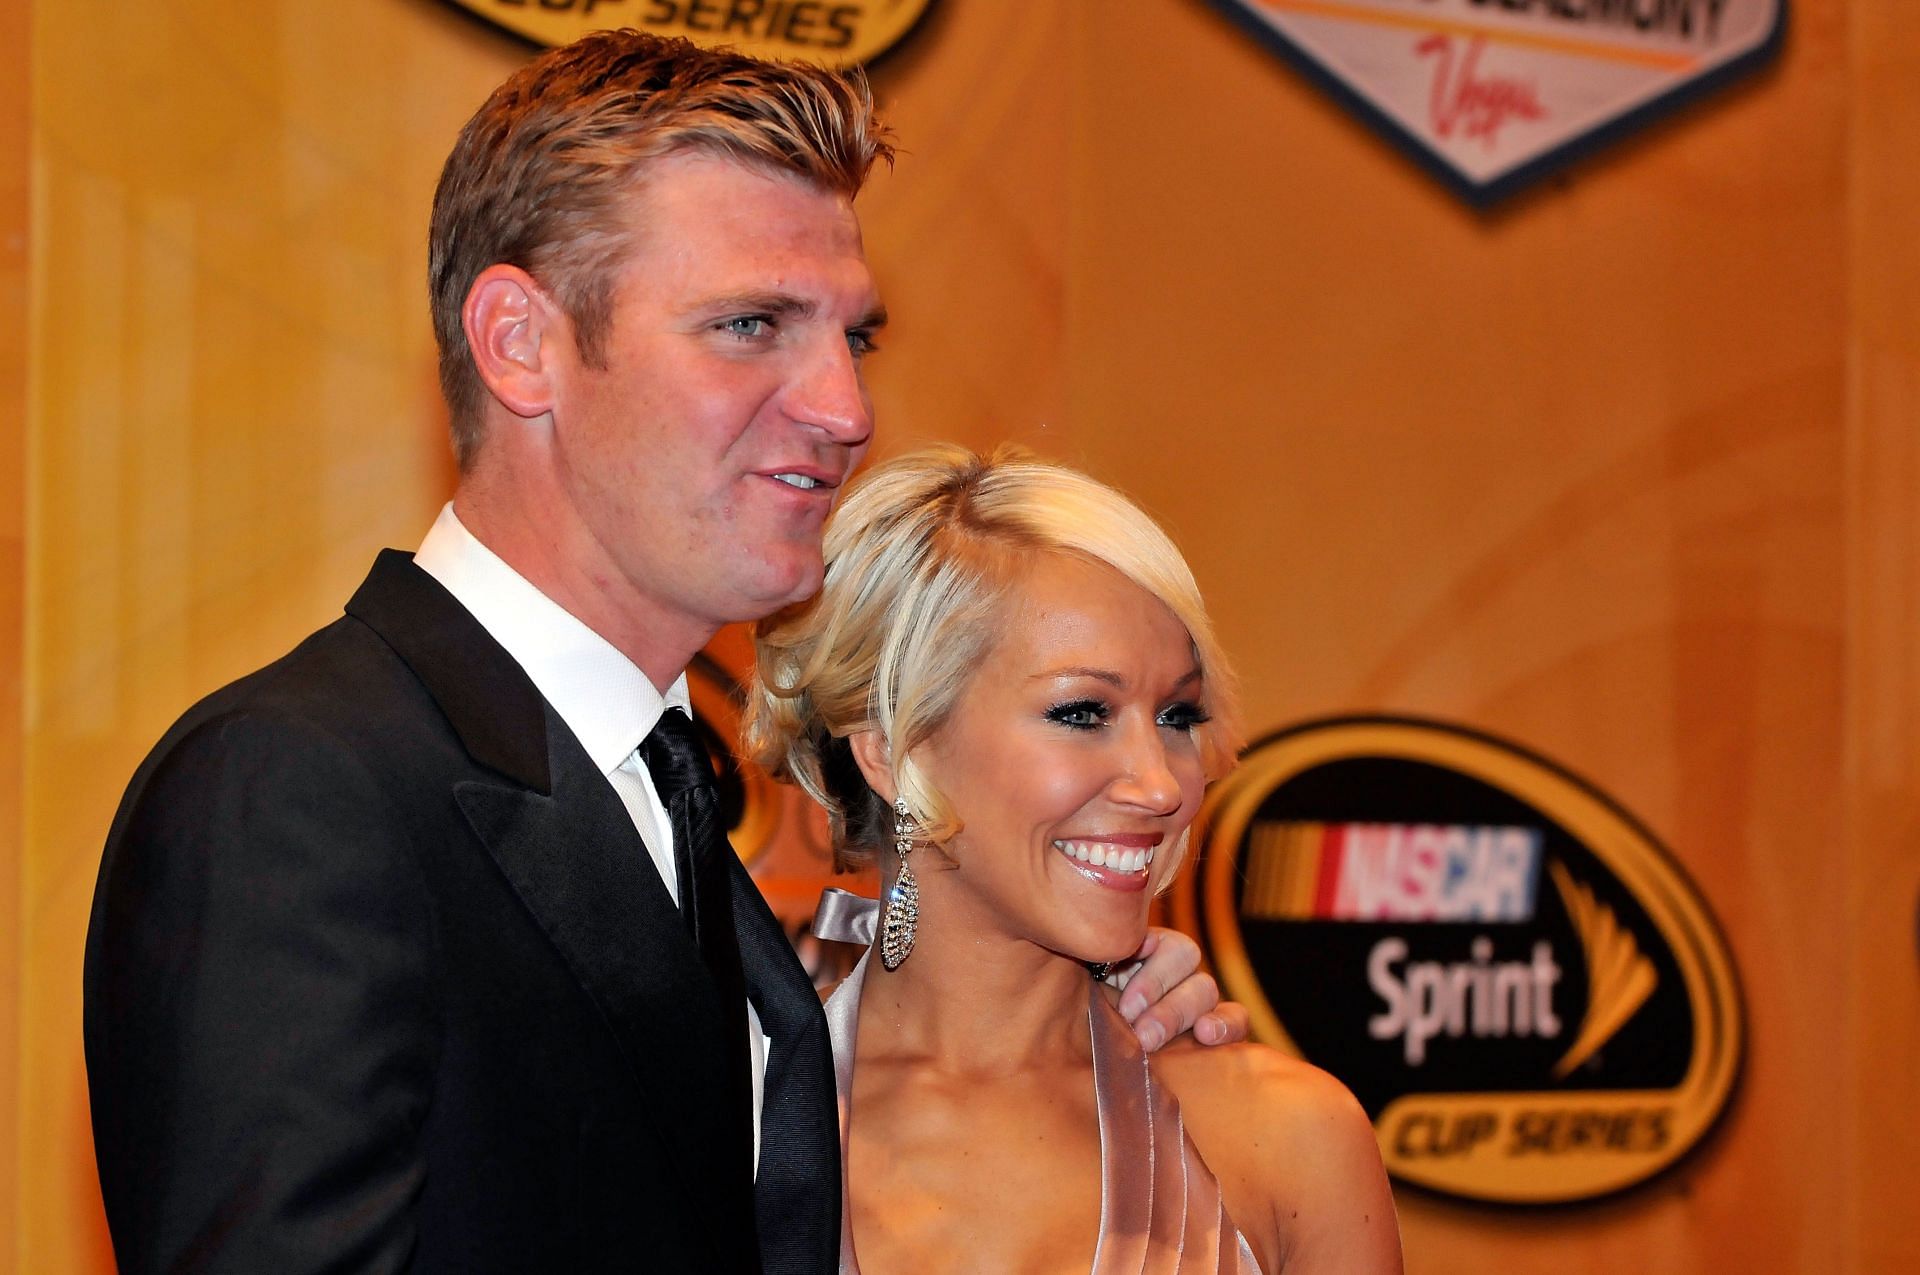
{"x": 919, "y": 557}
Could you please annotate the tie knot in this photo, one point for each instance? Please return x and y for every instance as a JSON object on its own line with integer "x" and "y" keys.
{"x": 675, "y": 756}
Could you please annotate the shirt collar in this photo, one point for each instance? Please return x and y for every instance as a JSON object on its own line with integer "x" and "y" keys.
{"x": 602, "y": 696}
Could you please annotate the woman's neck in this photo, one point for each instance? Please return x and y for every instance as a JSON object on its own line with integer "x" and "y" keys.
{"x": 976, "y": 1003}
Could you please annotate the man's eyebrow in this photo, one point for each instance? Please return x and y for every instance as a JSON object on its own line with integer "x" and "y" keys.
{"x": 784, "y": 305}
{"x": 779, "y": 304}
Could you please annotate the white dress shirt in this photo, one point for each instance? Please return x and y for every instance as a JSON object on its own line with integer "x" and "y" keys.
{"x": 602, "y": 696}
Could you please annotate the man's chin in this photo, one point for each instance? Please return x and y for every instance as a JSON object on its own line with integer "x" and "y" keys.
{"x": 784, "y": 585}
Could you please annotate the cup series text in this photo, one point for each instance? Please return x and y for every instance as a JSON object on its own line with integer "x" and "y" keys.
{"x": 811, "y": 24}
{"x": 1528, "y": 1131}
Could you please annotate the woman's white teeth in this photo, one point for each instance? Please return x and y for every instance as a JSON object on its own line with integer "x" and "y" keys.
{"x": 1100, "y": 855}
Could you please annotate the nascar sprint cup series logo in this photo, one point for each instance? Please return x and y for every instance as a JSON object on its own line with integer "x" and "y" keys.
{"x": 1517, "y": 982}
{"x": 833, "y": 32}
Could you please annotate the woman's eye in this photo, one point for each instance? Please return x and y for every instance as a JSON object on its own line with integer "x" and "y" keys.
{"x": 1080, "y": 714}
{"x": 1183, "y": 716}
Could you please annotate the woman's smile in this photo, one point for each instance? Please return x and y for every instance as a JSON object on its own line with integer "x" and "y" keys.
{"x": 1116, "y": 862}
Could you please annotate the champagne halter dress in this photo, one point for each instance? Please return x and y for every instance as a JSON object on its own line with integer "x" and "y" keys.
{"x": 1161, "y": 1211}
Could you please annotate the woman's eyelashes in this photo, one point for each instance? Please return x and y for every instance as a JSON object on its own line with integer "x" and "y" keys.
{"x": 1184, "y": 715}
{"x": 1092, "y": 714}
{"x": 1080, "y": 714}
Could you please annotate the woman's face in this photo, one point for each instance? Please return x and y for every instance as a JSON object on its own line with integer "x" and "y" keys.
{"x": 1072, "y": 762}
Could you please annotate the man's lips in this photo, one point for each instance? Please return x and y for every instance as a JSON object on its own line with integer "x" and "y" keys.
{"x": 804, "y": 478}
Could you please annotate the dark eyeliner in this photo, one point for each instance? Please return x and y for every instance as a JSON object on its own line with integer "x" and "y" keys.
{"x": 1063, "y": 714}
{"x": 1184, "y": 716}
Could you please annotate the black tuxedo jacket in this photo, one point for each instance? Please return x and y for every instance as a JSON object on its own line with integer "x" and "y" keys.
{"x": 380, "y": 977}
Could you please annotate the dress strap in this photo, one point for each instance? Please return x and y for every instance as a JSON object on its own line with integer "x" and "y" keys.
{"x": 844, "y": 917}
{"x": 843, "y": 1023}
{"x": 1161, "y": 1210}
{"x": 1120, "y": 1093}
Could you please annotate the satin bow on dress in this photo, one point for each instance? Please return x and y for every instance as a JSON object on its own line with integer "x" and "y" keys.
{"x": 1161, "y": 1211}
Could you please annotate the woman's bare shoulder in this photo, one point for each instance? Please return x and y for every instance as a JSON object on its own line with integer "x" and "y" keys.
{"x": 1273, "y": 1095}
{"x": 1250, "y": 1076}
{"x": 1291, "y": 1138}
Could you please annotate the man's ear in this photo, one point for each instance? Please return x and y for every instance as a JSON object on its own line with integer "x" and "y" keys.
{"x": 875, "y": 759}
{"x": 515, "y": 334}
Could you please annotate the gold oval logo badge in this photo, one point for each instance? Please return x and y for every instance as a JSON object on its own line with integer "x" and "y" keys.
{"x": 823, "y": 31}
{"x": 1516, "y": 980}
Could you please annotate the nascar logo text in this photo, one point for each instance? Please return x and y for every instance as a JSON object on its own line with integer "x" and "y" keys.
{"x": 1390, "y": 872}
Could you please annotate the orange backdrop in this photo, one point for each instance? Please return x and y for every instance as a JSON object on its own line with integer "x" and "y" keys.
{"x": 1624, "y": 471}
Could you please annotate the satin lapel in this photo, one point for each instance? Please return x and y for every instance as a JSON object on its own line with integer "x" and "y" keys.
{"x": 488, "y": 699}
{"x": 797, "y": 1190}
{"x": 568, "y": 848}
{"x": 579, "y": 867}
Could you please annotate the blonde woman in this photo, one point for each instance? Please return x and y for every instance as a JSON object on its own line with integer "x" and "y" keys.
{"x": 1008, "y": 692}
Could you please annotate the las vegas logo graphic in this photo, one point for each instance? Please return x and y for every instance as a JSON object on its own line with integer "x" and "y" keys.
{"x": 1516, "y": 981}
{"x": 1490, "y": 94}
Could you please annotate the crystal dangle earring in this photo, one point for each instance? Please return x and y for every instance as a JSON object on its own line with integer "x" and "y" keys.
{"x": 903, "y": 900}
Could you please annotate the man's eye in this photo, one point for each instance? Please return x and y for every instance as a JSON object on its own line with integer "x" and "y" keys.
{"x": 1085, "y": 714}
{"x": 750, "y": 325}
{"x": 861, "y": 342}
{"x": 1183, "y": 716}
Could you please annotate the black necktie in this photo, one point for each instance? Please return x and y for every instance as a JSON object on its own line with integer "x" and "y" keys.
{"x": 683, "y": 776}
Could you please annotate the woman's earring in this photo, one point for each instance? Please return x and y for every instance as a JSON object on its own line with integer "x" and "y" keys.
{"x": 903, "y": 900}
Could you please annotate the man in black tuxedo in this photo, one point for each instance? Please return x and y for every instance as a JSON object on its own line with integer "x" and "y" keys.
{"x": 407, "y": 951}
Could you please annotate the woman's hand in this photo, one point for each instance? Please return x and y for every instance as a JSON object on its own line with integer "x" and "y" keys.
{"x": 1163, "y": 994}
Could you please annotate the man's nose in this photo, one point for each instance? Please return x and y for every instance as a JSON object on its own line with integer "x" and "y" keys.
{"x": 831, "y": 395}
